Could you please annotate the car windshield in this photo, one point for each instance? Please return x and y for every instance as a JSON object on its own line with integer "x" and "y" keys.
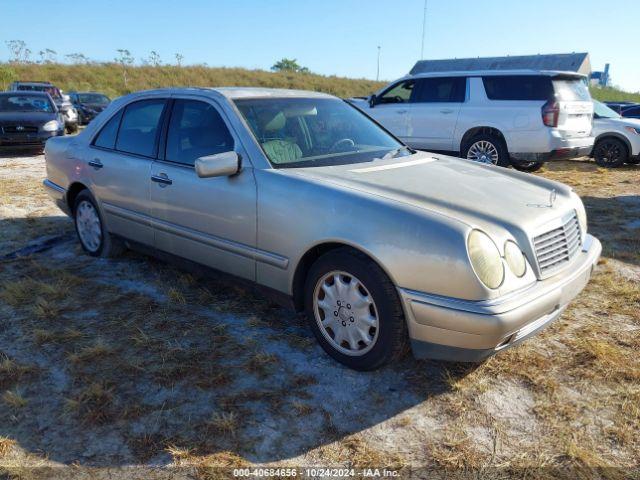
{"x": 94, "y": 98}
{"x": 25, "y": 103}
{"x": 602, "y": 111}
{"x": 306, "y": 132}
{"x": 52, "y": 91}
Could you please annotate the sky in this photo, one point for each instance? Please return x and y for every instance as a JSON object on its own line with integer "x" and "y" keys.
{"x": 330, "y": 37}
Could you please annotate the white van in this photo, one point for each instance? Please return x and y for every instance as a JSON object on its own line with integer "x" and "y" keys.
{"x": 509, "y": 117}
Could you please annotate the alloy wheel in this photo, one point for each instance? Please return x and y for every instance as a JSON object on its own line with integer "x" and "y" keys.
{"x": 484, "y": 152}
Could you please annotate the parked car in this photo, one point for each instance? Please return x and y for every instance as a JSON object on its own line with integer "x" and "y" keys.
{"x": 88, "y": 105}
{"x": 618, "y": 106}
{"x": 28, "y": 120}
{"x": 631, "y": 111}
{"x": 69, "y": 113}
{"x": 519, "y": 118}
{"x": 305, "y": 195}
{"x": 617, "y": 138}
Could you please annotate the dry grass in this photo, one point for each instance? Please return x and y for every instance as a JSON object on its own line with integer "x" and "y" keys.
{"x": 178, "y": 366}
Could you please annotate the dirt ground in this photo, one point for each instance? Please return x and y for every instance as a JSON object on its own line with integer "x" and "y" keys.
{"x": 133, "y": 368}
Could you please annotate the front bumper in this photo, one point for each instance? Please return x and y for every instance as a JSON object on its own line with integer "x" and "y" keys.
{"x": 26, "y": 140}
{"x": 469, "y": 331}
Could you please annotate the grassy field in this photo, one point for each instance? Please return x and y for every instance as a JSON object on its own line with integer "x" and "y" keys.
{"x": 132, "y": 368}
{"x": 108, "y": 78}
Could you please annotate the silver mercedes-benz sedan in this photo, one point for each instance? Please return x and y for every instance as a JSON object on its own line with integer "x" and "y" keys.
{"x": 304, "y": 194}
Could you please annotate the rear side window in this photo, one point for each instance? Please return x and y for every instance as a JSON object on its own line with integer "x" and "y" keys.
{"x": 107, "y": 136}
{"x": 196, "y": 129}
{"x": 440, "y": 90}
{"x": 139, "y": 127}
{"x": 571, "y": 90}
{"x": 518, "y": 87}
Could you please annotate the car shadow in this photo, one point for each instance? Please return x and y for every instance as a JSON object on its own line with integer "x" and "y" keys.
{"x": 20, "y": 152}
{"x": 121, "y": 361}
{"x": 616, "y": 222}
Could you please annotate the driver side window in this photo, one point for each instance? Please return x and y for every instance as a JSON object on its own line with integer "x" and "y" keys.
{"x": 400, "y": 93}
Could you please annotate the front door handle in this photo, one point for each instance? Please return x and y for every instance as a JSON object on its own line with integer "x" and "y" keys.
{"x": 400, "y": 112}
{"x": 162, "y": 179}
{"x": 96, "y": 163}
{"x": 446, "y": 111}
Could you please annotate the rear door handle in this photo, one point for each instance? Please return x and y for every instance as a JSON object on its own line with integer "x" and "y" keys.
{"x": 400, "y": 112}
{"x": 96, "y": 163}
{"x": 446, "y": 111}
{"x": 162, "y": 179}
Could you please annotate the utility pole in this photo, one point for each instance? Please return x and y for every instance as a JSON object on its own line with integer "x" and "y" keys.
{"x": 378, "y": 68}
{"x": 424, "y": 29}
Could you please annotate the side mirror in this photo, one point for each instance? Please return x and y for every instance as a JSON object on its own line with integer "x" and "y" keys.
{"x": 372, "y": 101}
{"x": 218, "y": 165}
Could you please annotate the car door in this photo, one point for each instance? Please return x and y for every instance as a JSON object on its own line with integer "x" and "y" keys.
{"x": 211, "y": 221}
{"x": 390, "y": 109}
{"x": 119, "y": 161}
{"x": 433, "y": 112}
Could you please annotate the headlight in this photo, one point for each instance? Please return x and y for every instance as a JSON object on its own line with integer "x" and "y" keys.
{"x": 515, "y": 258}
{"x": 634, "y": 130}
{"x": 485, "y": 259}
{"x": 51, "y": 126}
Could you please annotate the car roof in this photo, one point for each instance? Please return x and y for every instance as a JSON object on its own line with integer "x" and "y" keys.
{"x": 233, "y": 93}
{"x": 23, "y": 93}
{"x": 485, "y": 73}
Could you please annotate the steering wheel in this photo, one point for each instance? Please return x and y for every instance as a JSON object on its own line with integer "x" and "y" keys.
{"x": 345, "y": 141}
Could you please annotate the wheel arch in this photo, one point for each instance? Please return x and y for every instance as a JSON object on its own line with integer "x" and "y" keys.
{"x": 72, "y": 192}
{"x": 617, "y": 136}
{"x": 314, "y": 253}
{"x": 482, "y": 130}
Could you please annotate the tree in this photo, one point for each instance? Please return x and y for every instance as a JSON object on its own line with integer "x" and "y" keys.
{"x": 19, "y": 51}
{"x": 179, "y": 58}
{"x": 125, "y": 59}
{"x": 289, "y": 65}
{"x": 154, "y": 58}
{"x": 47, "y": 55}
{"x": 77, "y": 57}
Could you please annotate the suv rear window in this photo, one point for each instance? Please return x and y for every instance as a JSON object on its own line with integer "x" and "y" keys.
{"x": 571, "y": 90}
{"x": 518, "y": 87}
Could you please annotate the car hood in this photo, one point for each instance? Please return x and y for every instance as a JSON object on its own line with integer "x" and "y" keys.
{"x": 480, "y": 195}
{"x": 26, "y": 118}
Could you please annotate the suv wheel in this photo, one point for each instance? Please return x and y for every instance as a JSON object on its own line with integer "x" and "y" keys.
{"x": 354, "y": 310}
{"x": 527, "y": 166}
{"x": 610, "y": 153}
{"x": 486, "y": 149}
{"x": 93, "y": 236}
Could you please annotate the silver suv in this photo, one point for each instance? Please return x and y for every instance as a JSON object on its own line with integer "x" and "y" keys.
{"x": 521, "y": 118}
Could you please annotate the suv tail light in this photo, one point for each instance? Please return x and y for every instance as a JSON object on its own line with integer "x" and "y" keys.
{"x": 550, "y": 113}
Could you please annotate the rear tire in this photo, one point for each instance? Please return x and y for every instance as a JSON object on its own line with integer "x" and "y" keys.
{"x": 354, "y": 310}
{"x": 485, "y": 148}
{"x": 610, "y": 153}
{"x": 92, "y": 233}
{"x": 527, "y": 166}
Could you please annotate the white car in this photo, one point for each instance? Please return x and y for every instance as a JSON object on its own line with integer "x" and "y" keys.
{"x": 521, "y": 118}
{"x": 617, "y": 138}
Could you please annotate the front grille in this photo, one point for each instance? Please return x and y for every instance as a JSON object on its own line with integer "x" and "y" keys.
{"x": 558, "y": 246}
{"x": 20, "y": 129}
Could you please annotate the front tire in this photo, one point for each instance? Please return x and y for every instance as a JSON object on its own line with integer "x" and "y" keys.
{"x": 487, "y": 149}
{"x": 354, "y": 310}
{"x": 610, "y": 153}
{"x": 94, "y": 237}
